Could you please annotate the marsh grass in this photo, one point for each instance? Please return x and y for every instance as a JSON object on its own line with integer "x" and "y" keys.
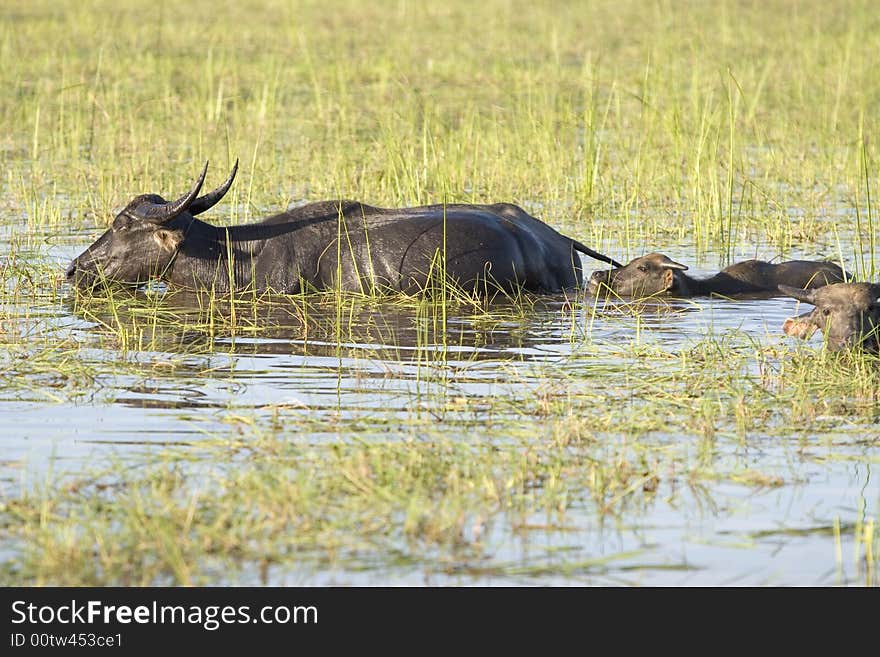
{"x": 258, "y": 502}
{"x": 628, "y": 135}
{"x": 453, "y": 439}
{"x": 255, "y": 499}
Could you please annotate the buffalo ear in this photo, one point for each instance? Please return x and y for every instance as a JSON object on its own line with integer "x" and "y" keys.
{"x": 168, "y": 240}
{"x": 668, "y": 279}
{"x": 807, "y": 296}
{"x": 798, "y": 327}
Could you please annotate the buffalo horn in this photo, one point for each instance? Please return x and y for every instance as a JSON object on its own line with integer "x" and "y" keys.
{"x": 671, "y": 264}
{"x": 159, "y": 213}
{"x": 210, "y": 199}
{"x": 807, "y": 296}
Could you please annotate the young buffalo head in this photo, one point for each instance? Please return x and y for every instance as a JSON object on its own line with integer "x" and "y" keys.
{"x": 650, "y": 274}
{"x": 848, "y": 314}
{"x": 144, "y": 238}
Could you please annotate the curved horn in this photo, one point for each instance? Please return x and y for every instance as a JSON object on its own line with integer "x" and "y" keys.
{"x": 159, "y": 213}
{"x": 671, "y": 264}
{"x": 211, "y": 199}
{"x": 807, "y": 296}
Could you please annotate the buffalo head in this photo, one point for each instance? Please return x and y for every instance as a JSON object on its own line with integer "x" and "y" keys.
{"x": 144, "y": 237}
{"x": 848, "y": 314}
{"x": 645, "y": 276}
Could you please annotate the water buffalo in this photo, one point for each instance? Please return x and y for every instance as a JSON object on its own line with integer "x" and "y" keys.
{"x": 331, "y": 243}
{"x": 848, "y": 315}
{"x": 655, "y": 273}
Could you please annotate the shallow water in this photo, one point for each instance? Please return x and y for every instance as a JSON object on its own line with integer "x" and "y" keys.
{"x": 389, "y": 366}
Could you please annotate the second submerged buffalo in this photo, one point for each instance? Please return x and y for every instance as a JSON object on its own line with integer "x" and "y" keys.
{"x": 656, "y": 273}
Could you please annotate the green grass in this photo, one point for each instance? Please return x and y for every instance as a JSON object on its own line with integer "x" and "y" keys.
{"x": 450, "y": 442}
{"x": 627, "y": 124}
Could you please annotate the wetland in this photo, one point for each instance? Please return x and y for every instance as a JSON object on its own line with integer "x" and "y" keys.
{"x": 158, "y": 437}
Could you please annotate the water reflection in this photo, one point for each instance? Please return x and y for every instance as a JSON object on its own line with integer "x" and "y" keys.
{"x": 398, "y": 331}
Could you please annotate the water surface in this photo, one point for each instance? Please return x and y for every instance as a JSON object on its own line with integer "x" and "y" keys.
{"x": 392, "y": 373}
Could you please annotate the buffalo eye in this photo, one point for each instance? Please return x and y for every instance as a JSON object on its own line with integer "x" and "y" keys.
{"x": 121, "y": 222}
{"x": 826, "y": 312}
{"x": 642, "y": 268}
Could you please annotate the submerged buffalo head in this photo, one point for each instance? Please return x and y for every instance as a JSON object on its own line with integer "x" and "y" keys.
{"x": 144, "y": 237}
{"x": 650, "y": 274}
{"x": 848, "y": 314}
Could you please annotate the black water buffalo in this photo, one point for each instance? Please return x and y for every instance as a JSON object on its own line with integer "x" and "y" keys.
{"x": 848, "y": 314}
{"x": 331, "y": 243}
{"x": 655, "y": 273}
